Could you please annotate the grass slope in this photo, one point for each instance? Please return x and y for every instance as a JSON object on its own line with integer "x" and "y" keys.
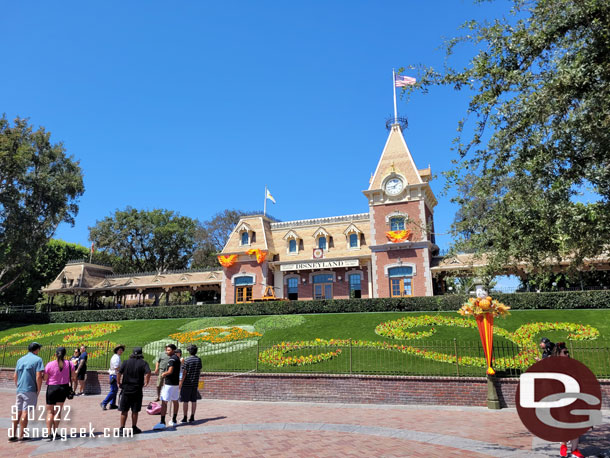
{"x": 356, "y": 326}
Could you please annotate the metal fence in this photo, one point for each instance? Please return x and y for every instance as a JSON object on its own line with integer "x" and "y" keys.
{"x": 430, "y": 358}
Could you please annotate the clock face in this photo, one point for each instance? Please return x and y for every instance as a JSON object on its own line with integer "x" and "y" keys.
{"x": 394, "y": 186}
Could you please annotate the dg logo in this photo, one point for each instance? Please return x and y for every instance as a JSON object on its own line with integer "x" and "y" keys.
{"x": 559, "y": 399}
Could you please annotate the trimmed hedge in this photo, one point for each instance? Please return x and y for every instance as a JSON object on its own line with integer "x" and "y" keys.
{"x": 518, "y": 301}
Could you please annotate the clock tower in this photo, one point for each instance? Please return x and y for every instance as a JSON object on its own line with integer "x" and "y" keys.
{"x": 401, "y": 205}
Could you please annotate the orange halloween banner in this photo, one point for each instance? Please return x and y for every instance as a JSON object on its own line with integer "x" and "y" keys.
{"x": 485, "y": 323}
{"x": 398, "y": 236}
{"x": 260, "y": 255}
{"x": 484, "y": 309}
{"x": 227, "y": 261}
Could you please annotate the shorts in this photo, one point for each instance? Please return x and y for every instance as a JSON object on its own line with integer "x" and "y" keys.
{"x": 170, "y": 393}
{"x": 131, "y": 401}
{"x": 25, "y": 400}
{"x": 82, "y": 374}
{"x": 188, "y": 393}
{"x": 57, "y": 394}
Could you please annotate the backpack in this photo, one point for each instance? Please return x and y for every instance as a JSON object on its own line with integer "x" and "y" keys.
{"x": 154, "y": 408}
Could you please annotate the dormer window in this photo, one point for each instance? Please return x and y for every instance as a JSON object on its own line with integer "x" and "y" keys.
{"x": 323, "y": 239}
{"x": 353, "y": 235}
{"x": 292, "y": 241}
{"x": 397, "y": 223}
{"x": 246, "y": 235}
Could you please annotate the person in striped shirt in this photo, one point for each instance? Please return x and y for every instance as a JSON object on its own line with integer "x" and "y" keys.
{"x": 191, "y": 370}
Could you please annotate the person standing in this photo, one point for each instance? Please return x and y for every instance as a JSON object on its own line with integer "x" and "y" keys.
{"x": 547, "y": 347}
{"x": 170, "y": 391}
{"x": 59, "y": 375}
{"x": 160, "y": 367}
{"x": 28, "y": 379}
{"x": 74, "y": 358}
{"x": 115, "y": 362}
{"x": 189, "y": 382}
{"x": 82, "y": 369}
{"x": 132, "y": 377}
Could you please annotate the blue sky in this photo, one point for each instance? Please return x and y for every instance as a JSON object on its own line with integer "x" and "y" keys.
{"x": 194, "y": 106}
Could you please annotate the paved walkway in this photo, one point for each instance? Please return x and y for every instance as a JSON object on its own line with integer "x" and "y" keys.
{"x": 287, "y": 429}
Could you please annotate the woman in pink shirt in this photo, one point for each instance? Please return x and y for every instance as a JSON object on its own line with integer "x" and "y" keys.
{"x": 58, "y": 374}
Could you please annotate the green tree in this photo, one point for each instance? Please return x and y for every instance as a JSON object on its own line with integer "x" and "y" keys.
{"x": 49, "y": 262}
{"x": 212, "y": 235}
{"x": 39, "y": 188}
{"x": 156, "y": 240}
{"x": 533, "y": 148}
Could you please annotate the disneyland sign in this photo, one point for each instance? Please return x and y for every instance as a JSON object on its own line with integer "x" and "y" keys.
{"x": 319, "y": 265}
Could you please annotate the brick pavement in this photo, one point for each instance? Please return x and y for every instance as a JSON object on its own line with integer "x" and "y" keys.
{"x": 286, "y": 429}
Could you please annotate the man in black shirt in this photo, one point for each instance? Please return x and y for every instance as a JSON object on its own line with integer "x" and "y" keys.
{"x": 170, "y": 390}
{"x": 191, "y": 371}
{"x": 134, "y": 374}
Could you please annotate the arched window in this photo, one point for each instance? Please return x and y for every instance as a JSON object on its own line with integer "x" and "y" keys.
{"x": 293, "y": 288}
{"x": 353, "y": 240}
{"x": 401, "y": 281}
{"x": 292, "y": 246}
{"x": 397, "y": 223}
{"x": 245, "y": 238}
{"x": 323, "y": 278}
{"x": 355, "y": 287}
{"x": 322, "y": 243}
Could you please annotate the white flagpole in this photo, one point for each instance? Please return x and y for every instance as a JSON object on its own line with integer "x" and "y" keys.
{"x": 394, "y": 86}
{"x": 265, "y": 204}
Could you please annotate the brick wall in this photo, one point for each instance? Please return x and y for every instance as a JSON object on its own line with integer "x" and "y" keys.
{"x": 340, "y": 287}
{"x": 355, "y": 389}
{"x": 247, "y": 267}
{"x": 381, "y": 226}
{"x": 407, "y": 256}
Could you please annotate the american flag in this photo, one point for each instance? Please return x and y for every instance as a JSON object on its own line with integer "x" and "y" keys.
{"x": 402, "y": 81}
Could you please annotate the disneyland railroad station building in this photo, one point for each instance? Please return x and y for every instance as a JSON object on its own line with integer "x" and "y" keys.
{"x": 388, "y": 251}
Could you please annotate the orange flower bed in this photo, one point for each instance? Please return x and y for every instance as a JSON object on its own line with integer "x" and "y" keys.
{"x": 214, "y": 335}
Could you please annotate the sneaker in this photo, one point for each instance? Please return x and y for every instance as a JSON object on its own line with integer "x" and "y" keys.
{"x": 103, "y": 406}
{"x": 183, "y": 420}
{"x": 136, "y": 430}
{"x": 159, "y": 426}
{"x": 191, "y": 420}
{"x": 13, "y": 439}
{"x": 113, "y": 407}
{"x": 563, "y": 450}
{"x": 172, "y": 423}
{"x": 577, "y": 454}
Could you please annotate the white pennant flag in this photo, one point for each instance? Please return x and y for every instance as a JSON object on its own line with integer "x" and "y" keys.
{"x": 270, "y": 197}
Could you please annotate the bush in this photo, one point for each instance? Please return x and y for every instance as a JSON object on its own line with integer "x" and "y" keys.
{"x": 518, "y": 301}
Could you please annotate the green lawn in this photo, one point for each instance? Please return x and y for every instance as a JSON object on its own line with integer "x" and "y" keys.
{"x": 242, "y": 356}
